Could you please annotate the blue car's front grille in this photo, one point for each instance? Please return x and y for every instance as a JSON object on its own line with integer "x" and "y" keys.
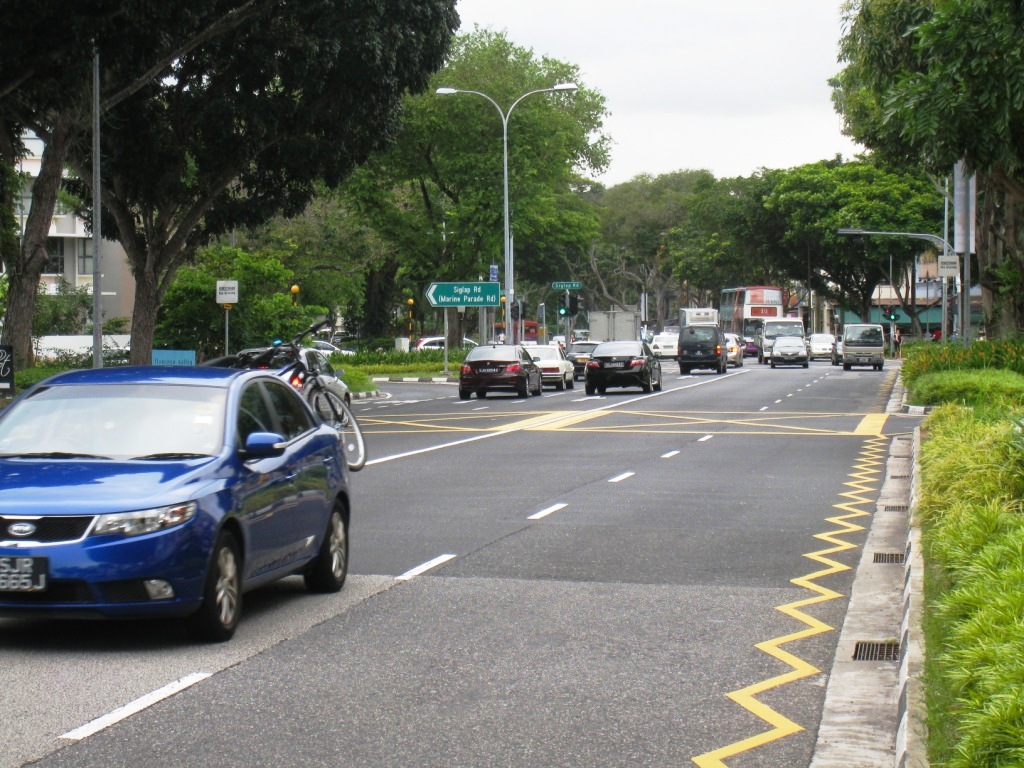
{"x": 48, "y": 530}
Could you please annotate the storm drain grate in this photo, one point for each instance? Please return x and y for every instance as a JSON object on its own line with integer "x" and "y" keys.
{"x": 873, "y": 651}
{"x": 899, "y": 477}
{"x": 895, "y": 558}
{"x": 896, "y": 507}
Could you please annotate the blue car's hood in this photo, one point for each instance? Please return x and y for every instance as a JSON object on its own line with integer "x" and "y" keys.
{"x": 74, "y": 487}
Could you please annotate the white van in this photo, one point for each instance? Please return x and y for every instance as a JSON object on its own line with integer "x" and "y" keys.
{"x": 863, "y": 344}
{"x": 771, "y": 330}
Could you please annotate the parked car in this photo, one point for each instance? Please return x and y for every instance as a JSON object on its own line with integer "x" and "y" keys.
{"x": 578, "y": 354}
{"x": 506, "y": 367}
{"x": 702, "y": 346}
{"x": 734, "y": 350}
{"x": 555, "y": 368}
{"x": 330, "y": 349}
{"x": 166, "y": 492}
{"x": 821, "y": 346}
{"x": 622, "y": 364}
{"x": 665, "y": 344}
{"x": 789, "y": 350}
{"x": 437, "y": 342}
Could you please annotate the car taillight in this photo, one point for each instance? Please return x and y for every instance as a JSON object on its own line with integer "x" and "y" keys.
{"x": 718, "y": 349}
{"x": 298, "y": 380}
{"x": 513, "y": 368}
{"x": 593, "y": 364}
{"x": 466, "y": 368}
{"x": 636, "y": 362}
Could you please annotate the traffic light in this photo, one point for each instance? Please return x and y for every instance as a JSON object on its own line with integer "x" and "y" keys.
{"x": 574, "y": 304}
{"x": 562, "y": 311}
{"x": 515, "y": 310}
{"x": 889, "y": 312}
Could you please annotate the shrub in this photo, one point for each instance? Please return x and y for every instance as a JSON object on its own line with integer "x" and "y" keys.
{"x": 988, "y": 388}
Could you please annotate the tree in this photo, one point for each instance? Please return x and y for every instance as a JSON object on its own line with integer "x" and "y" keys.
{"x": 933, "y": 83}
{"x": 816, "y": 200}
{"x": 190, "y": 318}
{"x": 437, "y": 196}
{"x": 46, "y": 86}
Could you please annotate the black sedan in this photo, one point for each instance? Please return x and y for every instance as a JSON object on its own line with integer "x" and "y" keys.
{"x": 622, "y": 364}
{"x": 508, "y": 367}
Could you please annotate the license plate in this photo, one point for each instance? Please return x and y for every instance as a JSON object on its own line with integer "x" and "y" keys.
{"x": 23, "y": 574}
{"x": 488, "y": 370}
{"x": 615, "y": 364}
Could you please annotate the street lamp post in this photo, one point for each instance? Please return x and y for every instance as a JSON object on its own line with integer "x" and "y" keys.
{"x": 935, "y": 240}
{"x": 557, "y": 88}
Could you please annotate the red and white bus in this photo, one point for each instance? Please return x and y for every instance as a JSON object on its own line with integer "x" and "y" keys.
{"x": 744, "y": 310}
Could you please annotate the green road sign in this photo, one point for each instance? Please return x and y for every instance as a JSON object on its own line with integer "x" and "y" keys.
{"x": 567, "y": 285}
{"x": 464, "y": 294}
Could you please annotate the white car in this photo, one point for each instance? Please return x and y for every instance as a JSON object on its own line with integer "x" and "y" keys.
{"x": 734, "y": 349}
{"x": 329, "y": 349}
{"x": 555, "y": 368}
{"x": 437, "y": 342}
{"x": 665, "y": 345}
{"x": 821, "y": 345}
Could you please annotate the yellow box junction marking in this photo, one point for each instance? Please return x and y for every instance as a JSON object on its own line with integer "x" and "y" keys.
{"x": 865, "y": 476}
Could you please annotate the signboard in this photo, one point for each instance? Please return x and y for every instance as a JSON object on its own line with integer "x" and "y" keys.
{"x": 567, "y": 285}
{"x": 494, "y": 273}
{"x": 949, "y": 265}
{"x": 174, "y": 357}
{"x": 227, "y": 291}
{"x": 464, "y": 294}
{"x": 7, "y": 370}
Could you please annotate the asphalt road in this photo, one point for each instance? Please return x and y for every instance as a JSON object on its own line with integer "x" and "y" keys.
{"x": 557, "y": 581}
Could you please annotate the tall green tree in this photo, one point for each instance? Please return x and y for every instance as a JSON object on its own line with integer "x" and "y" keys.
{"x": 46, "y": 86}
{"x": 935, "y": 82}
{"x": 244, "y": 125}
{"x": 437, "y": 196}
{"x": 814, "y": 201}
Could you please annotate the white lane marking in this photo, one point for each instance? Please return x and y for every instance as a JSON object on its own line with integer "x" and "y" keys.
{"x": 134, "y": 707}
{"x": 669, "y": 455}
{"x": 764, "y": 407}
{"x": 705, "y": 438}
{"x": 777, "y": 402}
{"x": 425, "y": 567}
{"x": 623, "y": 476}
{"x": 548, "y": 511}
{"x": 482, "y": 408}
{"x": 553, "y": 420}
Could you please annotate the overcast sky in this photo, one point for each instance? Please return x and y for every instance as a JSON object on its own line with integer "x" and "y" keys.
{"x": 730, "y": 86}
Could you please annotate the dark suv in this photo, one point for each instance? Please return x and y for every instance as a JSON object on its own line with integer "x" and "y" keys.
{"x": 702, "y": 346}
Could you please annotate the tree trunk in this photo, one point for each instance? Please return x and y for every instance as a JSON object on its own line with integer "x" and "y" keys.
{"x": 25, "y": 271}
{"x": 144, "y": 312}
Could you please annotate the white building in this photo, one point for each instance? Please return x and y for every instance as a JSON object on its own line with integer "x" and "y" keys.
{"x": 70, "y": 248}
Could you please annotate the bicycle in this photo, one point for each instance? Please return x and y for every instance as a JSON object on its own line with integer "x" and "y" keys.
{"x": 331, "y": 409}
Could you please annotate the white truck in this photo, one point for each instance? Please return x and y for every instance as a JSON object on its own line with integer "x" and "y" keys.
{"x": 614, "y": 326}
{"x": 697, "y": 316}
{"x": 772, "y": 328}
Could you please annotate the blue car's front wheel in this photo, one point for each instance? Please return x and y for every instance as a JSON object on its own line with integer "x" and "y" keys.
{"x": 221, "y": 610}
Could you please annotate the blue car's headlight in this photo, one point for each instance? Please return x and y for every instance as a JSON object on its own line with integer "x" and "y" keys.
{"x": 144, "y": 520}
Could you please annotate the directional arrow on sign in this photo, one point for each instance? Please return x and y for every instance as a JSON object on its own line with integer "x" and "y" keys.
{"x": 464, "y": 294}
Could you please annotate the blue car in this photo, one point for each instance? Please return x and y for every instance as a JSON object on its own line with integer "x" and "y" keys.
{"x": 166, "y": 491}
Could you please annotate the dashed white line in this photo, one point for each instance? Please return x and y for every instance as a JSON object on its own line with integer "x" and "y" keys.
{"x": 705, "y": 438}
{"x": 669, "y": 455}
{"x": 419, "y": 569}
{"x": 133, "y": 707}
{"x": 620, "y": 478}
{"x": 548, "y": 511}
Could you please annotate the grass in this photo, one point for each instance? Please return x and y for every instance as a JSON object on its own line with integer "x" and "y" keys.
{"x": 970, "y": 509}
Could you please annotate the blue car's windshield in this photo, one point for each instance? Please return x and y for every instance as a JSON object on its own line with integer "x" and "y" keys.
{"x": 115, "y": 421}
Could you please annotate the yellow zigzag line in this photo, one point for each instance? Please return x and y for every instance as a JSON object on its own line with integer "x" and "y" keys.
{"x": 870, "y": 457}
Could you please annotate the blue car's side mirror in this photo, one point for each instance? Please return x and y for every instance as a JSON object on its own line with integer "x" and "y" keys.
{"x": 259, "y": 445}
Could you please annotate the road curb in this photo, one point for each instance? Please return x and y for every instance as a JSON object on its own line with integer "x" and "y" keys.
{"x": 873, "y": 711}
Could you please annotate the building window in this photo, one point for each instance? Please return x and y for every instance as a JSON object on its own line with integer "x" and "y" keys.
{"x": 84, "y": 257}
{"x": 55, "y": 260}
